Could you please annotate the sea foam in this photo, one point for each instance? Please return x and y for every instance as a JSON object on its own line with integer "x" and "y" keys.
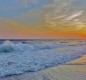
{"x": 35, "y": 56}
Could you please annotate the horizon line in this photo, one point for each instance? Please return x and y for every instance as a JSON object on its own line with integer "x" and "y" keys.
{"x": 43, "y": 39}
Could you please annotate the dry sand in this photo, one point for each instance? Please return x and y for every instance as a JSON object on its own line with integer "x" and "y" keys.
{"x": 74, "y": 70}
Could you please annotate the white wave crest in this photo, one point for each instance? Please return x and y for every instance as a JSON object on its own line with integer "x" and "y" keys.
{"x": 34, "y": 56}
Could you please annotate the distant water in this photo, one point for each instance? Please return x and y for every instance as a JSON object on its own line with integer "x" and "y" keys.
{"x": 19, "y": 56}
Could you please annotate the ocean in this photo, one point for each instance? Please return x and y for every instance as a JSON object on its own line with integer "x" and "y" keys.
{"x": 18, "y": 55}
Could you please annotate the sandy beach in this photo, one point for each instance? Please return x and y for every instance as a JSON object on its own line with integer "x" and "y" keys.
{"x": 42, "y": 39}
{"x": 73, "y": 70}
{"x": 80, "y": 61}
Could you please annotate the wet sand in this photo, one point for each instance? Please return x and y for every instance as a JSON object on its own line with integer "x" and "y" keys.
{"x": 80, "y": 61}
{"x": 73, "y": 70}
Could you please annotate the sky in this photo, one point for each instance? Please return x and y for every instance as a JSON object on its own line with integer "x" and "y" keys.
{"x": 43, "y": 19}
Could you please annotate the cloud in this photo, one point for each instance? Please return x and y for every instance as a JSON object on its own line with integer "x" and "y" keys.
{"x": 79, "y": 24}
{"x": 74, "y": 15}
{"x": 60, "y": 17}
{"x": 57, "y": 11}
{"x": 63, "y": 14}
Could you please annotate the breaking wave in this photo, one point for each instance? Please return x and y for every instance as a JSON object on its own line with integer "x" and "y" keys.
{"x": 34, "y": 56}
{"x": 8, "y": 47}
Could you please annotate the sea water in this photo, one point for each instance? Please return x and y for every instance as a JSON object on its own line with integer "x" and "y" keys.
{"x": 19, "y": 56}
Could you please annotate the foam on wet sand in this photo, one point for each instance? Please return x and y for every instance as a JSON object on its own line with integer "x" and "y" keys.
{"x": 61, "y": 72}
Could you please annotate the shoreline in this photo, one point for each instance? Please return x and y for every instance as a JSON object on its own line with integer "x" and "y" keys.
{"x": 60, "y": 72}
{"x": 79, "y": 61}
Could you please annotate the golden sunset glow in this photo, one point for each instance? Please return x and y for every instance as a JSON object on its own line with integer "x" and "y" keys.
{"x": 37, "y": 19}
